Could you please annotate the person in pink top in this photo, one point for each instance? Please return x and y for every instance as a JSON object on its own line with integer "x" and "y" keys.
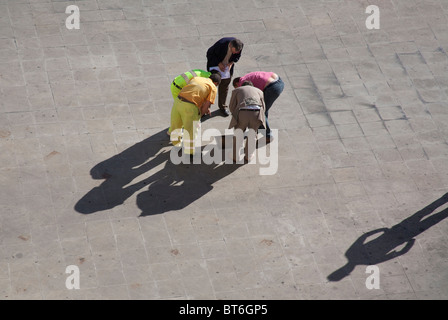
{"x": 272, "y": 86}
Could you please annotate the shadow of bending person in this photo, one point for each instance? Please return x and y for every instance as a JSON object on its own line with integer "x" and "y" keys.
{"x": 177, "y": 186}
{"x": 122, "y": 169}
{"x": 170, "y": 187}
{"x": 384, "y": 246}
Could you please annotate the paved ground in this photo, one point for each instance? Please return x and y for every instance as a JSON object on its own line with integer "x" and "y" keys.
{"x": 85, "y": 176}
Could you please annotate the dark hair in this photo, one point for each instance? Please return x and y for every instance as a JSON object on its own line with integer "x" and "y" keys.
{"x": 215, "y": 77}
{"x": 236, "y": 81}
{"x": 237, "y": 44}
{"x": 247, "y": 83}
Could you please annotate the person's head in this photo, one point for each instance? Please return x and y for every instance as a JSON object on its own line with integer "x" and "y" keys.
{"x": 236, "y": 46}
{"x": 214, "y": 71}
{"x": 247, "y": 83}
{"x": 236, "y": 82}
{"x": 216, "y": 78}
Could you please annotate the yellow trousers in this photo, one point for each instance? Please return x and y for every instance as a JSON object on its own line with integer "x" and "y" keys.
{"x": 183, "y": 115}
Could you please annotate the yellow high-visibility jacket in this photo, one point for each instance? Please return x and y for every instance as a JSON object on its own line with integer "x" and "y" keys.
{"x": 183, "y": 79}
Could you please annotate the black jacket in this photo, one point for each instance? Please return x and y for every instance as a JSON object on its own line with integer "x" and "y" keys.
{"x": 217, "y": 53}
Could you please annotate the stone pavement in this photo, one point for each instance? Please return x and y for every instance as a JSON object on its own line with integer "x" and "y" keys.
{"x": 86, "y": 180}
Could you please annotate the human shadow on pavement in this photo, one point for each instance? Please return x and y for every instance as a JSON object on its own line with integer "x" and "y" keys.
{"x": 177, "y": 186}
{"x": 383, "y": 247}
{"x": 171, "y": 187}
{"x": 121, "y": 170}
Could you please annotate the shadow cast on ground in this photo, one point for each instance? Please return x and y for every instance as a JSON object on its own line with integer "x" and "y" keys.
{"x": 171, "y": 188}
{"x": 384, "y": 246}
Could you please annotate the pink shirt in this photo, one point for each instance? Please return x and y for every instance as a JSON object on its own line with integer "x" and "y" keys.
{"x": 258, "y": 78}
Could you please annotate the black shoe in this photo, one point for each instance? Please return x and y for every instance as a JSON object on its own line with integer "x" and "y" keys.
{"x": 224, "y": 112}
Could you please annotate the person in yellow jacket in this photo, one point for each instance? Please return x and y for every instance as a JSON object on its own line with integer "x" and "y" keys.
{"x": 193, "y": 101}
{"x": 182, "y": 80}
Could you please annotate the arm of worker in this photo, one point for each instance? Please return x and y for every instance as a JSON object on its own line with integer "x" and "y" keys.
{"x": 222, "y": 66}
{"x": 233, "y": 102}
{"x": 205, "y": 108}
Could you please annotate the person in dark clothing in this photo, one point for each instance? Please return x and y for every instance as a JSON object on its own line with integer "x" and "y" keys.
{"x": 223, "y": 55}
